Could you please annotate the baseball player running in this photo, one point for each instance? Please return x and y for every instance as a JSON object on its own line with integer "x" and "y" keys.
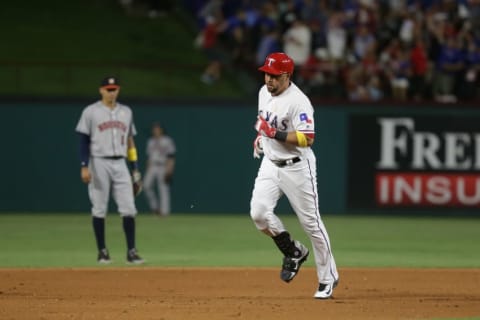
{"x": 106, "y": 131}
{"x": 160, "y": 165}
{"x": 285, "y": 127}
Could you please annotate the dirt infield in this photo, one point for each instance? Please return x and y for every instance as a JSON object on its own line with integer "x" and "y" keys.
{"x": 234, "y": 293}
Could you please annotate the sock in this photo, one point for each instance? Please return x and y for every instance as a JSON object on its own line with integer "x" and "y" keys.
{"x": 285, "y": 244}
{"x": 129, "y": 229}
{"x": 99, "y": 231}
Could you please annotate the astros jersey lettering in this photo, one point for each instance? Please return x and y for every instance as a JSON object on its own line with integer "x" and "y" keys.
{"x": 108, "y": 129}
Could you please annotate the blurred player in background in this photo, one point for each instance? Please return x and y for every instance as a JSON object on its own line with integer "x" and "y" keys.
{"x": 285, "y": 127}
{"x": 106, "y": 131}
{"x": 160, "y": 167}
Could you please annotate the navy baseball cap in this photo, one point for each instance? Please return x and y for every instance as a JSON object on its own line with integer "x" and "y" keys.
{"x": 110, "y": 83}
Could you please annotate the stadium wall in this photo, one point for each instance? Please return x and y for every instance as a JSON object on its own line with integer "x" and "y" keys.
{"x": 369, "y": 158}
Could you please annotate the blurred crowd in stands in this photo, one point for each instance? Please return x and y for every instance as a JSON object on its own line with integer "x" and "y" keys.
{"x": 366, "y": 50}
{"x": 150, "y": 8}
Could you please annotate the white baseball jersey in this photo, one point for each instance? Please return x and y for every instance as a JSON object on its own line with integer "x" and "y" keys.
{"x": 289, "y": 111}
{"x": 108, "y": 129}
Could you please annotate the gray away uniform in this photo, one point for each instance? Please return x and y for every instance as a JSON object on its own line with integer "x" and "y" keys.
{"x": 158, "y": 151}
{"x": 109, "y": 130}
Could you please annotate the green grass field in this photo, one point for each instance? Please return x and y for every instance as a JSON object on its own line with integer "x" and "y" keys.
{"x": 66, "y": 240}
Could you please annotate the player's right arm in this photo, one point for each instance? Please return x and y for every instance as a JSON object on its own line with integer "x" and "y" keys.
{"x": 296, "y": 138}
{"x": 84, "y": 157}
{"x": 257, "y": 147}
{"x": 83, "y": 130}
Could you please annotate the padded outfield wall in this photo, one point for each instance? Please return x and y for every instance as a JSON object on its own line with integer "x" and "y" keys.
{"x": 370, "y": 158}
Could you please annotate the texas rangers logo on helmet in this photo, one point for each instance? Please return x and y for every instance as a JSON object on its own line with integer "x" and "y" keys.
{"x": 270, "y": 61}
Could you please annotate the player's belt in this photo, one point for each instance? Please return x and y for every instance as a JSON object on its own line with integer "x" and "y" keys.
{"x": 283, "y": 163}
{"x": 113, "y": 157}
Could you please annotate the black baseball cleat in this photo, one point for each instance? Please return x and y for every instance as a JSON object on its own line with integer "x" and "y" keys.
{"x": 133, "y": 257}
{"x": 325, "y": 290}
{"x": 291, "y": 265}
{"x": 103, "y": 257}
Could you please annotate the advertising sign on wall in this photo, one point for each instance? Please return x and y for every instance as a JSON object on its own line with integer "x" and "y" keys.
{"x": 413, "y": 162}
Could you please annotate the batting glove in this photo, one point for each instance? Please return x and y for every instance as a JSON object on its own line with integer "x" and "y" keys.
{"x": 257, "y": 147}
{"x": 264, "y": 128}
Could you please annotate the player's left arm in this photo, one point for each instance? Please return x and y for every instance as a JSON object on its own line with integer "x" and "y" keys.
{"x": 303, "y": 124}
{"x": 132, "y": 155}
{"x": 132, "y": 158}
{"x": 299, "y": 138}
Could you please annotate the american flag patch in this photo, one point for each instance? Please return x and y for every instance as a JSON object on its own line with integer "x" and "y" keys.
{"x": 304, "y": 117}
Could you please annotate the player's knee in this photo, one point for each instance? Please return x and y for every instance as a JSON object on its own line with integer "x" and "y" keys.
{"x": 99, "y": 213}
{"x": 128, "y": 214}
{"x": 258, "y": 214}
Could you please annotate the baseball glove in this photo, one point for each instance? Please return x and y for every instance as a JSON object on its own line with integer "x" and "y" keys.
{"x": 137, "y": 183}
{"x": 257, "y": 147}
{"x": 169, "y": 178}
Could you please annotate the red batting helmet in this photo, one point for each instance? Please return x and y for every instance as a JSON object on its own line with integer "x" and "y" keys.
{"x": 277, "y": 63}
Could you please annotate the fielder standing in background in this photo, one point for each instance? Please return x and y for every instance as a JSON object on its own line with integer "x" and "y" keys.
{"x": 285, "y": 127}
{"x": 160, "y": 167}
{"x": 106, "y": 131}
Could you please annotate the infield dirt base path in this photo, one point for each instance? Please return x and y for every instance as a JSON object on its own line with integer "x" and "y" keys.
{"x": 235, "y": 293}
